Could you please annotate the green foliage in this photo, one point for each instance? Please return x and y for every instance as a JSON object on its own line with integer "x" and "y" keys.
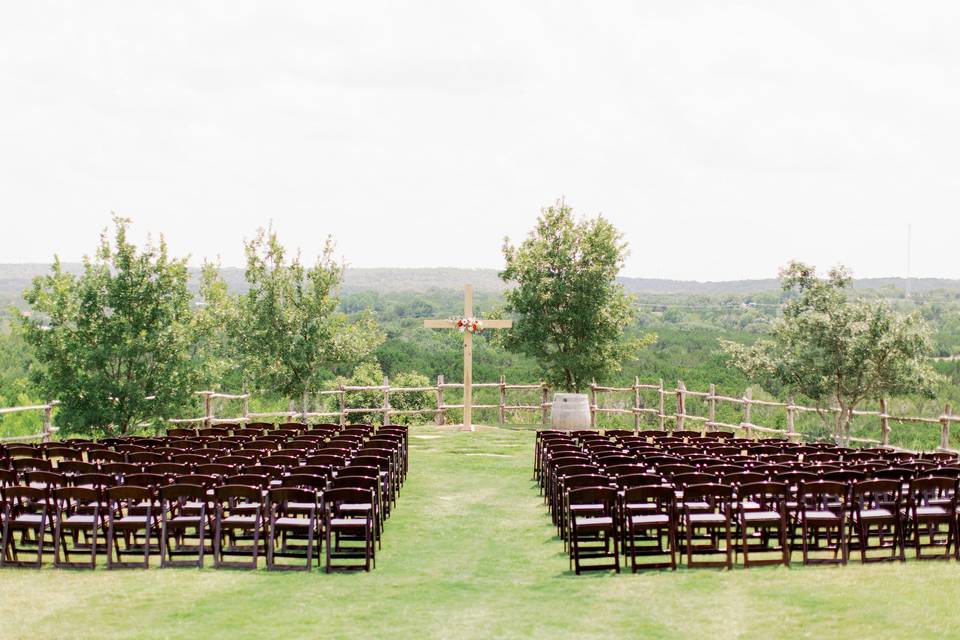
{"x": 287, "y": 331}
{"x": 571, "y": 312}
{"x": 112, "y": 343}
{"x": 411, "y": 400}
{"x": 835, "y": 351}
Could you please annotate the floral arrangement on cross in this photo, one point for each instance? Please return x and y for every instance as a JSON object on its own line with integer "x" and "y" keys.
{"x": 468, "y": 324}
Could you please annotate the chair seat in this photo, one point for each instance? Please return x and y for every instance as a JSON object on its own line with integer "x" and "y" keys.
{"x": 653, "y": 519}
{"x": 707, "y": 518}
{"x": 585, "y": 507}
{"x": 931, "y": 511}
{"x": 357, "y": 507}
{"x": 77, "y": 519}
{"x": 874, "y": 514}
{"x": 28, "y": 518}
{"x": 756, "y": 517}
{"x": 593, "y": 521}
{"x": 239, "y": 521}
{"x": 348, "y": 522}
{"x": 184, "y": 520}
{"x": 696, "y": 506}
{"x": 303, "y": 523}
{"x": 641, "y": 506}
{"x": 819, "y": 516}
{"x": 750, "y": 505}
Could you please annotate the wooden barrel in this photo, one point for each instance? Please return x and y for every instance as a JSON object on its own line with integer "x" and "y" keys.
{"x": 571, "y": 411}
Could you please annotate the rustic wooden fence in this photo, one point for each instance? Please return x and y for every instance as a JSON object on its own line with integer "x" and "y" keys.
{"x": 639, "y": 404}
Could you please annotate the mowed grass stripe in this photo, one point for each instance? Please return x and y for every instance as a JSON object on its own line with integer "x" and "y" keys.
{"x": 470, "y": 553}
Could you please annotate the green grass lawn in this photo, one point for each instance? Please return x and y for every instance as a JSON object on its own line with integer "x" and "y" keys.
{"x": 470, "y": 553}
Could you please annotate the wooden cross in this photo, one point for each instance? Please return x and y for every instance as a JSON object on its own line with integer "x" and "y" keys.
{"x": 467, "y": 349}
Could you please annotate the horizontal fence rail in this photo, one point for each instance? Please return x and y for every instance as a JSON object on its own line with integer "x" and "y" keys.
{"x": 663, "y": 407}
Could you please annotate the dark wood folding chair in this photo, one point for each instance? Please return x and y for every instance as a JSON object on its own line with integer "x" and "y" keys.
{"x": 293, "y": 519}
{"x": 650, "y": 525}
{"x": 933, "y": 507}
{"x": 593, "y": 527}
{"x": 348, "y": 535}
{"x": 26, "y": 511}
{"x": 821, "y": 518}
{"x": 712, "y": 523}
{"x": 231, "y": 519}
{"x": 762, "y": 513}
{"x": 133, "y": 511}
{"x": 876, "y": 513}
{"x": 186, "y": 513}
{"x": 77, "y": 512}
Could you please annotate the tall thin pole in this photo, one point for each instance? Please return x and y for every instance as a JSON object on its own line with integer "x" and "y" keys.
{"x": 468, "y": 360}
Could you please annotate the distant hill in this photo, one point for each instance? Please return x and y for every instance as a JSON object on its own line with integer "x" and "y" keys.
{"x": 14, "y": 278}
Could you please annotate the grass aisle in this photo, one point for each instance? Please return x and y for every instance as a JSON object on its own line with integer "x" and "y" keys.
{"x": 470, "y": 553}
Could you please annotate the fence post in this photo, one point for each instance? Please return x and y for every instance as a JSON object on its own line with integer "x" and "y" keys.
{"x": 636, "y": 405}
{"x": 945, "y": 428}
{"x": 544, "y": 399}
{"x": 502, "y": 414}
{"x": 343, "y": 404}
{"x": 747, "y": 399}
{"x": 47, "y": 421}
{"x": 884, "y": 424}
{"x": 593, "y": 404}
{"x": 791, "y": 419}
{"x": 386, "y": 401}
{"x": 440, "y": 412}
{"x": 207, "y": 408}
{"x": 711, "y": 408}
{"x": 681, "y": 406}
{"x": 660, "y": 393}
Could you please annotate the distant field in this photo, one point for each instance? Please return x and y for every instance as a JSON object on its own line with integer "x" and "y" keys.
{"x": 470, "y": 553}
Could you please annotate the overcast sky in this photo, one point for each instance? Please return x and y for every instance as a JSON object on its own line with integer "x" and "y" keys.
{"x": 723, "y": 138}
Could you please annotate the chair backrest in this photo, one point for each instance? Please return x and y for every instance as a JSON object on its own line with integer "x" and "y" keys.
{"x": 184, "y": 491}
{"x": 197, "y": 479}
{"x": 371, "y": 472}
{"x": 70, "y": 496}
{"x": 663, "y": 497}
{"x": 215, "y": 469}
{"x": 305, "y": 480}
{"x": 638, "y": 480}
{"x": 77, "y": 466}
{"x": 352, "y": 495}
{"x": 605, "y": 496}
{"x": 282, "y": 495}
{"x": 585, "y": 480}
{"x": 145, "y": 480}
{"x": 248, "y": 480}
{"x": 96, "y": 480}
{"x": 923, "y": 490}
{"x": 771, "y": 496}
{"x": 230, "y": 492}
{"x": 129, "y": 495}
{"x": 744, "y": 477}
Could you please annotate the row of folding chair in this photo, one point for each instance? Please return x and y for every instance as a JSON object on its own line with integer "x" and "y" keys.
{"x": 871, "y": 517}
{"x": 192, "y": 521}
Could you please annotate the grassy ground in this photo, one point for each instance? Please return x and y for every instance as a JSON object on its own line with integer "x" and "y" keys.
{"x": 470, "y": 553}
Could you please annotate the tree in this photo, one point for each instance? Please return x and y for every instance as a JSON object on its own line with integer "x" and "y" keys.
{"x": 111, "y": 343}
{"x": 571, "y": 313}
{"x": 287, "y": 331}
{"x": 835, "y": 351}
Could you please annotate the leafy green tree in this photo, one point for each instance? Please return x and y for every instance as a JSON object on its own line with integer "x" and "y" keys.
{"x": 571, "y": 313}
{"x": 835, "y": 351}
{"x": 287, "y": 330}
{"x": 112, "y": 343}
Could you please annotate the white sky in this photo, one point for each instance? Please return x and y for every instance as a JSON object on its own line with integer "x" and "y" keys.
{"x": 723, "y": 138}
